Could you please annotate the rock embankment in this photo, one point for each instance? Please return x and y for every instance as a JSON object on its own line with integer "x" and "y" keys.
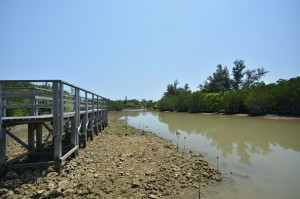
{"x": 122, "y": 162}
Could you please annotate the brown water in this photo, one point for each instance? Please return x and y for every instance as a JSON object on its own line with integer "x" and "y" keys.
{"x": 262, "y": 154}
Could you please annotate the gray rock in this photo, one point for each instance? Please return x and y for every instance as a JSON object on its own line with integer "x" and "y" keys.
{"x": 68, "y": 192}
{"x": 217, "y": 177}
{"x": 63, "y": 185}
{"x": 40, "y": 192}
{"x": 51, "y": 174}
{"x": 206, "y": 175}
{"x": 152, "y": 196}
{"x": 10, "y": 193}
{"x": 149, "y": 173}
{"x": 51, "y": 194}
{"x": 51, "y": 185}
{"x": 95, "y": 190}
{"x": 136, "y": 183}
{"x": 3, "y": 191}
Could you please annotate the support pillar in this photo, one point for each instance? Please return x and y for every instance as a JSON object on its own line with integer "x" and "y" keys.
{"x": 2, "y": 133}
{"x": 39, "y": 136}
{"x": 30, "y": 135}
{"x": 2, "y": 145}
{"x": 73, "y": 134}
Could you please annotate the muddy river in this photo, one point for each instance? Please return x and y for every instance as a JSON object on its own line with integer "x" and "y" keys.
{"x": 258, "y": 157}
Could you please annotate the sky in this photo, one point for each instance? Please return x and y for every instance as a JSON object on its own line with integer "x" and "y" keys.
{"x": 119, "y": 48}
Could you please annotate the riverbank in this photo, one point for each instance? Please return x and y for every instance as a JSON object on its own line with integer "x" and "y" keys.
{"x": 268, "y": 116}
{"x": 122, "y": 162}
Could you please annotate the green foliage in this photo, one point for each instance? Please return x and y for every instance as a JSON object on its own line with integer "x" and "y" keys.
{"x": 118, "y": 105}
{"x": 174, "y": 90}
{"x": 167, "y": 103}
{"x": 219, "y": 81}
{"x": 14, "y": 87}
{"x": 148, "y": 104}
{"x": 237, "y": 72}
{"x": 176, "y": 98}
{"x": 196, "y": 99}
{"x": 182, "y": 104}
{"x": 234, "y": 102}
{"x": 258, "y": 100}
{"x": 213, "y": 102}
{"x": 205, "y": 102}
{"x": 156, "y": 105}
{"x": 281, "y": 98}
{"x": 253, "y": 76}
{"x": 287, "y": 96}
{"x": 115, "y": 105}
{"x": 132, "y": 104}
{"x": 193, "y": 102}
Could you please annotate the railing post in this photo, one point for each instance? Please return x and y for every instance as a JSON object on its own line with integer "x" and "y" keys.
{"x": 77, "y": 117}
{"x": 33, "y": 101}
{"x": 85, "y": 121}
{"x": 97, "y": 116}
{"x": 31, "y": 126}
{"x": 106, "y": 112}
{"x": 2, "y": 133}
{"x": 57, "y": 122}
{"x": 101, "y": 112}
{"x": 92, "y": 119}
{"x": 65, "y": 103}
{"x": 75, "y": 120}
{"x": 35, "y": 127}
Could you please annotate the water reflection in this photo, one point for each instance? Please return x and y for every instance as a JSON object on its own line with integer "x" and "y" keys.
{"x": 245, "y": 135}
{"x": 249, "y": 135}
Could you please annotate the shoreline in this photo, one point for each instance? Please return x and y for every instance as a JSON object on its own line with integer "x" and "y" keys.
{"x": 122, "y": 162}
{"x": 267, "y": 116}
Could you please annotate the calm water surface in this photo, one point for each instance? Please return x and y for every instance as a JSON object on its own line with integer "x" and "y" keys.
{"x": 262, "y": 154}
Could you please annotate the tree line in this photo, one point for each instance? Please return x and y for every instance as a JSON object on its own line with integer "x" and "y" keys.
{"x": 238, "y": 92}
{"x": 118, "y": 105}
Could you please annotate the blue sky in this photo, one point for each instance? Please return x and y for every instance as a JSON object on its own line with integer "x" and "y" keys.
{"x": 135, "y": 48}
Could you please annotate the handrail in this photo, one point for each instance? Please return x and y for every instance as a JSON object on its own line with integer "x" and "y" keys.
{"x": 36, "y": 94}
{"x": 64, "y": 82}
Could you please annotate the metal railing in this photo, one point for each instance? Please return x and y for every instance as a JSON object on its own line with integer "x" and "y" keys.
{"x": 59, "y": 101}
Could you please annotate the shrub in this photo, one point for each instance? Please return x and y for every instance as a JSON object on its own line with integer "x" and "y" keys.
{"x": 234, "y": 102}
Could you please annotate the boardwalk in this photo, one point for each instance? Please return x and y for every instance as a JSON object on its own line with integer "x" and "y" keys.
{"x": 60, "y": 120}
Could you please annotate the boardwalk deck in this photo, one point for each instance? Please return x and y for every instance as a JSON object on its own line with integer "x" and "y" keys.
{"x": 69, "y": 113}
